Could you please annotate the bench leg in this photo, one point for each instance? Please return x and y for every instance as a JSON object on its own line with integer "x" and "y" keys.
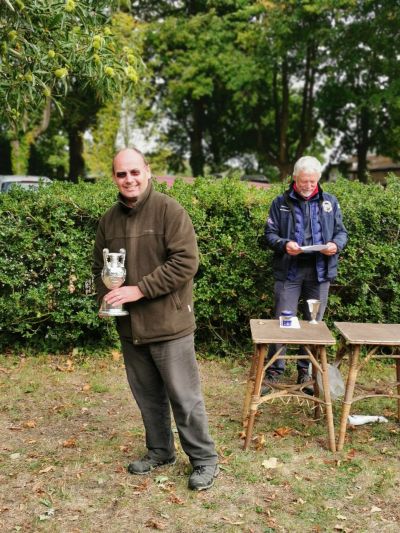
{"x": 327, "y": 398}
{"x": 348, "y": 396}
{"x": 260, "y": 357}
{"x": 249, "y": 388}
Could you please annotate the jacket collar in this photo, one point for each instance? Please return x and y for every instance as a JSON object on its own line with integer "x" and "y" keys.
{"x": 291, "y": 193}
{"x": 139, "y": 202}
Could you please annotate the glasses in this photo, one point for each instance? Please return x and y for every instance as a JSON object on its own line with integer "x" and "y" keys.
{"x": 123, "y": 174}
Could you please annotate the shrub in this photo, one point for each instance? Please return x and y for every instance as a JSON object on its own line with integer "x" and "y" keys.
{"x": 46, "y": 237}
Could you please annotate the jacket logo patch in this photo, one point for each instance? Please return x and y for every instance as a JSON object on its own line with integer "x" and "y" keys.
{"x": 327, "y": 206}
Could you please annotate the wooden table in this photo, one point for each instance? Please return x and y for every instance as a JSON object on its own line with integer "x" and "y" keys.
{"x": 315, "y": 337}
{"x": 373, "y": 336}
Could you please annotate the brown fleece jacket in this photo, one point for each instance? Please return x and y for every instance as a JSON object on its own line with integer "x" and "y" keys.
{"x": 161, "y": 258}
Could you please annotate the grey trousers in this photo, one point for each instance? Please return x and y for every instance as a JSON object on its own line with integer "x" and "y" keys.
{"x": 164, "y": 373}
{"x": 287, "y": 297}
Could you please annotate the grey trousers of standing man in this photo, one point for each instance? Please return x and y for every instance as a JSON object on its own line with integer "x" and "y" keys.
{"x": 161, "y": 374}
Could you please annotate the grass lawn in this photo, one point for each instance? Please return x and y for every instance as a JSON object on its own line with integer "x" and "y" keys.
{"x": 69, "y": 427}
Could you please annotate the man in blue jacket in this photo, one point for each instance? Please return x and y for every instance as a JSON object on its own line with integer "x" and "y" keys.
{"x": 303, "y": 215}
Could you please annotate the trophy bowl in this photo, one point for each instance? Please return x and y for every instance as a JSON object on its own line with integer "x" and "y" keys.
{"x": 313, "y": 306}
{"x": 113, "y": 276}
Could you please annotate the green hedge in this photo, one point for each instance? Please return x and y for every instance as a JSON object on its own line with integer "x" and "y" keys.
{"x": 47, "y": 236}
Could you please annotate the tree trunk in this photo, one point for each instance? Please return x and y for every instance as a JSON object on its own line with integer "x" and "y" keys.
{"x": 283, "y": 156}
{"x": 5, "y": 156}
{"x": 307, "y": 123}
{"x": 76, "y": 161}
{"x": 21, "y": 144}
{"x": 362, "y": 146}
{"x": 285, "y": 170}
{"x": 196, "y": 140}
{"x": 19, "y": 155}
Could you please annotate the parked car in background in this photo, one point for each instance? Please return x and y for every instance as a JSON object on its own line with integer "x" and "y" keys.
{"x": 257, "y": 180}
{"x": 26, "y": 182}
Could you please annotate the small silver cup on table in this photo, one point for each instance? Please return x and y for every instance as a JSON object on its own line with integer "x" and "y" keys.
{"x": 313, "y": 306}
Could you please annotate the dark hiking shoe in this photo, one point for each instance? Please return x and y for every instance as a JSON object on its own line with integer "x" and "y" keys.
{"x": 270, "y": 379}
{"x": 147, "y": 464}
{"x": 203, "y": 476}
{"x": 304, "y": 377}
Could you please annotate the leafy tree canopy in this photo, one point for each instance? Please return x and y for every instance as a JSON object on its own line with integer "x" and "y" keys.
{"x": 47, "y": 45}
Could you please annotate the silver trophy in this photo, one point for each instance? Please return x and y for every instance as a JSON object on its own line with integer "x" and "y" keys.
{"x": 313, "y": 306}
{"x": 113, "y": 276}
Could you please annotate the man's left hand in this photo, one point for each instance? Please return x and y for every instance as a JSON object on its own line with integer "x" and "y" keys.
{"x": 331, "y": 250}
{"x": 122, "y": 295}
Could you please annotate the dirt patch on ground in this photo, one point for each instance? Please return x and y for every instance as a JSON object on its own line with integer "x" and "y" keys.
{"x": 68, "y": 430}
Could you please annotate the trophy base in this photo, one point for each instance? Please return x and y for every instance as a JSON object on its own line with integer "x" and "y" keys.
{"x": 108, "y": 311}
{"x": 313, "y": 322}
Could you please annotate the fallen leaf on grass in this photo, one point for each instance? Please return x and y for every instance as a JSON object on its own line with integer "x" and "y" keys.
{"x": 242, "y": 435}
{"x": 29, "y": 424}
{"x": 173, "y": 498}
{"x": 260, "y": 441}
{"x": 47, "y": 469}
{"x": 334, "y": 462}
{"x": 341, "y": 517}
{"x": 15, "y": 428}
{"x": 375, "y": 509}
{"x": 272, "y": 462}
{"x": 68, "y": 367}
{"x": 231, "y": 522}
{"x": 351, "y": 454}
{"x": 116, "y": 355}
{"x": 142, "y": 487}
{"x": 160, "y": 480}
{"x": 69, "y": 443}
{"x": 154, "y": 524}
{"x": 86, "y": 387}
{"x": 282, "y": 432}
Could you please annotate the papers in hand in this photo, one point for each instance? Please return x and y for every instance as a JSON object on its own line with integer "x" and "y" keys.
{"x": 314, "y": 248}
{"x": 295, "y": 324}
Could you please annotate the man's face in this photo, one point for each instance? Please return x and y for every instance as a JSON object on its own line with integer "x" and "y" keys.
{"x": 131, "y": 174}
{"x": 306, "y": 182}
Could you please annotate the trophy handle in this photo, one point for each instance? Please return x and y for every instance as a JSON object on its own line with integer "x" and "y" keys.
{"x": 122, "y": 255}
{"x": 105, "y": 255}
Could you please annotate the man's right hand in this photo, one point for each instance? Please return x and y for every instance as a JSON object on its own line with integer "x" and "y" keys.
{"x": 292, "y": 248}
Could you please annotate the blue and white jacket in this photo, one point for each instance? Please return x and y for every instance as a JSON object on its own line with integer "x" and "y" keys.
{"x": 286, "y": 223}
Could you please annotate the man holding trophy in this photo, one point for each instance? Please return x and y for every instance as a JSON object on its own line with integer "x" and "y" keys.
{"x": 145, "y": 258}
{"x": 306, "y": 232}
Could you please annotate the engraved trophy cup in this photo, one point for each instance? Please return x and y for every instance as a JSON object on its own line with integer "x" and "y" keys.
{"x": 313, "y": 306}
{"x": 113, "y": 276}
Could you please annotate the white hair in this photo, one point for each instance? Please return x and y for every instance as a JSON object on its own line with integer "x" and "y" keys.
{"x": 307, "y": 163}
